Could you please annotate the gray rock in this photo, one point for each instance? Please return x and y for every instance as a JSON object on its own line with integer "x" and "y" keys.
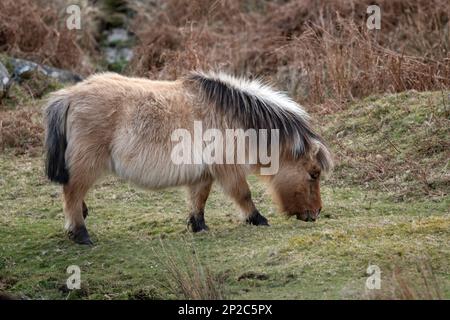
{"x": 61, "y": 75}
{"x": 118, "y": 54}
{"x": 23, "y": 69}
{"x": 116, "y": 48}
{"x": 5, "y": 80}
{"x": 117, "y": 35}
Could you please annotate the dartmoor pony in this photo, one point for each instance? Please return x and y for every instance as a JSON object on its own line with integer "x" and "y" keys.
{"x": 112, "y": 123}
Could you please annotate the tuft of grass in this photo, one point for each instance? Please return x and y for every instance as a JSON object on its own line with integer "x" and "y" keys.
{"x": 187, "y": 277}
{"x": 420, "y": 284}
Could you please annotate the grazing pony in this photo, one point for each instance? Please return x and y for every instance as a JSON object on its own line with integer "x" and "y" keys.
{"x": 112, "y": 123}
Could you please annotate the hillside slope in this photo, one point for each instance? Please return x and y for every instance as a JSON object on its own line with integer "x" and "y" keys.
{"x": 398, "y": 144}
{"x": 378, "y": 209}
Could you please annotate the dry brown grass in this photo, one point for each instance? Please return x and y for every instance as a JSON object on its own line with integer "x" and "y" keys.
{"x": 36, "y": 30}
{"x": 400, "y": 285}
{"x": 187, "y": 277}
{"x": 21, "y": 130}
{"x": 320, "y": 51}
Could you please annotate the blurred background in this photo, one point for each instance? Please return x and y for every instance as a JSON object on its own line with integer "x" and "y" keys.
{"x": 319, "y": 51}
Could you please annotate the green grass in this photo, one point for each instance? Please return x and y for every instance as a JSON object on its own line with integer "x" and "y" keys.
{"x": 362, "y": 224}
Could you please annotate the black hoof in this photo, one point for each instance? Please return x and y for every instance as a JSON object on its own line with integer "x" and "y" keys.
{"x": 85, "y": 210}
{"x": 80, "y": 236}
{"x": 197, "y": 224}
{"x": 257, "y": 219}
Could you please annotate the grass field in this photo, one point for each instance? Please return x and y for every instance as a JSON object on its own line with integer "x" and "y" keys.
{"x": 384, "y": 205}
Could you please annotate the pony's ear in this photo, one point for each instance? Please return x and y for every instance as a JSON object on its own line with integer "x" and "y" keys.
{"x": 320, "y": 152}
{"x": 315, "y": 148}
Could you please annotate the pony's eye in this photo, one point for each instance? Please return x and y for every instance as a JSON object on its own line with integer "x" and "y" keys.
{"x": 314, "y": 175}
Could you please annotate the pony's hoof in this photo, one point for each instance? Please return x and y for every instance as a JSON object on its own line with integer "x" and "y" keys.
{"x": 85, "y": 210}
{"x": 80, "y": 236}
{"x": 197, "y": 225}
{"x": 257, "y": 219}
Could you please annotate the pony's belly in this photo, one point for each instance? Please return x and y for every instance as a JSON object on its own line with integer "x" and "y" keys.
{"x": 153, "y": 174}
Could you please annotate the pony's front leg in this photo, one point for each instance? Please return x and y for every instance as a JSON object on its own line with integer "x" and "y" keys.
{"x": 235, "y": 185}
{"x": 198, "y": 194}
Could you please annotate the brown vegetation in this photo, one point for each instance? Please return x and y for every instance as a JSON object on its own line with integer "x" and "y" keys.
{"x": 21, "y": 130}
{"x": 317, "y": 50}
{"x": 36, "y": 30}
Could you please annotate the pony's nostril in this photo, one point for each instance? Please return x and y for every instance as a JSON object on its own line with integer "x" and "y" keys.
{"x": 312, "y": 215}
{"x": 318, "y": 211}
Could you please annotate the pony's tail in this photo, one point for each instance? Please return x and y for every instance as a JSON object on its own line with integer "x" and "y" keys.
{"x": 56, "y": 140}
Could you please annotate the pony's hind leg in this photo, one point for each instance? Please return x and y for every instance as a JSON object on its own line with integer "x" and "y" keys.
{"x": 82, "y": 177}
{"x": 75, "y": 210}
{"x": 198, "y": 194}
{"x": 235, "y": 185}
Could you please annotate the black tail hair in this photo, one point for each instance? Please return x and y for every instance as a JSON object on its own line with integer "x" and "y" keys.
{"x": 56, "y": 141}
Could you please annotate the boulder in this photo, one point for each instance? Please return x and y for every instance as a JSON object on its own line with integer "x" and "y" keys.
{"x": 23, "y": 69}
